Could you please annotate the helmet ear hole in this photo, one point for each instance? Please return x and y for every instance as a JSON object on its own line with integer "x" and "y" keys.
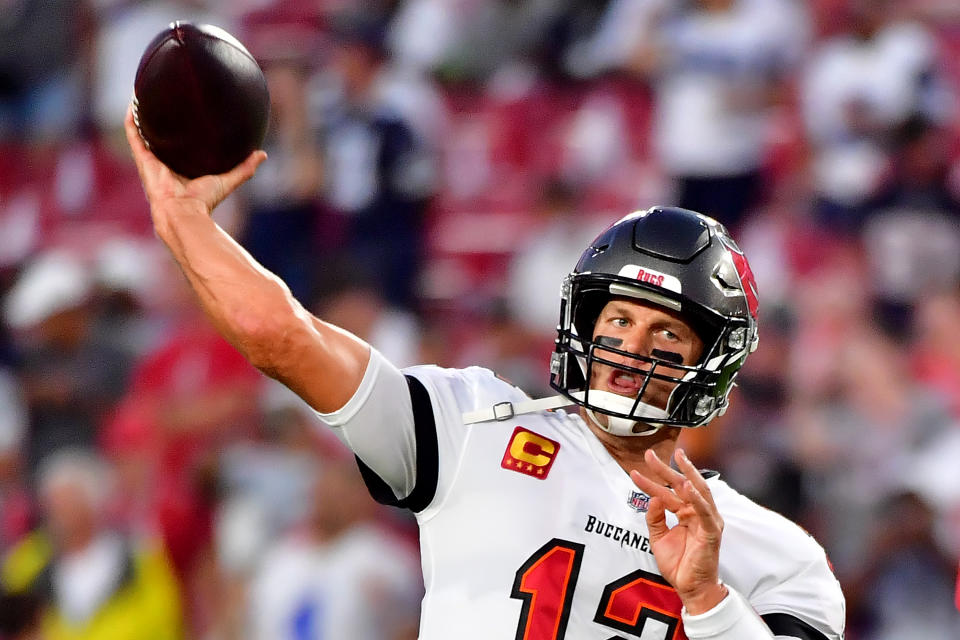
{"x": 586, "y": 311}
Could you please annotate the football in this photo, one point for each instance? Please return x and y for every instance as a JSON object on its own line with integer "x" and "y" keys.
{"x": 200, "y": 99}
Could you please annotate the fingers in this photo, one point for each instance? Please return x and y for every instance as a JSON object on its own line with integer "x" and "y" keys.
{"x": 148, "y": 166}
{"x": 215, "y": 189}
{"x": 668, "y": 498}
{"x": 130, "y": 127}
{"x": 160, "y": 182}
{"x": 693, "y": 476}
{"x": 142, "y": 155}
{"x": 673, "y": 478}
{"x": 675, "y": 490}
{"x": 710, "y": 521}
{"x": 133, "y": 138}
{"x": 695, "y": 492}
{"x": 656, "y": 519}
{"x": 661, "y": 471}
{"x": 243, "y": 171}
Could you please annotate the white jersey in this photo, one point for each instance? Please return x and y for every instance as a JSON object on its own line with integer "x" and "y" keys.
{"x": 530, "y": 530}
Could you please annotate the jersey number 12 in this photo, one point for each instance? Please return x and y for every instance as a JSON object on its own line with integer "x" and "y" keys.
{"x": 641, "y": 604}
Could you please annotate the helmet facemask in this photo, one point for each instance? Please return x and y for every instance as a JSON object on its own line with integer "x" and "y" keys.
{"x": 680, "y": 261}
{"x": 699, "y": 391}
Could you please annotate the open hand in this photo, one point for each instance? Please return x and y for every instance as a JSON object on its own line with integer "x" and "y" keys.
{"x": 164, "y": 188}
{"x": 688, "y": 555}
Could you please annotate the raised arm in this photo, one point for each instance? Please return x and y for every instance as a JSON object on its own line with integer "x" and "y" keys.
{"x": 252, "y": 308}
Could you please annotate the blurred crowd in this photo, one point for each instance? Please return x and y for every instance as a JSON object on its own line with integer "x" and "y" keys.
{"x": 436, "y": 166}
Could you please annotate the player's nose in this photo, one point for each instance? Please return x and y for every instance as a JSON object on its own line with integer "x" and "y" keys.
{"x": 639, "y": 342}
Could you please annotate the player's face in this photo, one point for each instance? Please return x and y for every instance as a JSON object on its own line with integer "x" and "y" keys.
{"x": 647, "y": 330}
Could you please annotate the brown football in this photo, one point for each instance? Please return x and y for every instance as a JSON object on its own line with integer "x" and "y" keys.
{"x": 200, "y": 99}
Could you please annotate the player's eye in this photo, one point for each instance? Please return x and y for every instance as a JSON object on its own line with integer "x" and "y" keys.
{"x": 622, "y": 323}
{"x": 669, "y": 335}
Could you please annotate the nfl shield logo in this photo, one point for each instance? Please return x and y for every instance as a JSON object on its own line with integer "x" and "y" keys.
{"x": 638, "y": 501}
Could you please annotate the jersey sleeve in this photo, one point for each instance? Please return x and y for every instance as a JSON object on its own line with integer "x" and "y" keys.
{"x": 442, "y": 439}
{"x": 406, "y": 427}
{"x": 731, "y": 619}
{"x": 379, "y": 424}
{"x": 781, "y": 571}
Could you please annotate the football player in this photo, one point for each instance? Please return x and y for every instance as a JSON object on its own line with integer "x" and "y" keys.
{"x": 538, "y": 523}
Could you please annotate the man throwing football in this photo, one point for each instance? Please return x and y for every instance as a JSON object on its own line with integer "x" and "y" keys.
{"x": 538, "y": 523}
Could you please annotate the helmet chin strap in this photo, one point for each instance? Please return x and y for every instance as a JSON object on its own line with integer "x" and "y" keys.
{"x": 621, "y": 404}
{"x": 621, "y": 426}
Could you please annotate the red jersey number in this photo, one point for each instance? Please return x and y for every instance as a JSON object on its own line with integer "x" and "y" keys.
{"x": 545, "y": 583}
{"x": 640, "y": 604}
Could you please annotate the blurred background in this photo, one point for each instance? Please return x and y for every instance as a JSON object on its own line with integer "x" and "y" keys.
{"x": 436, "y": 166}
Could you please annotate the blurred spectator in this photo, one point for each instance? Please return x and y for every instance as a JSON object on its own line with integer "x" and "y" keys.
{"x": 70, "y": 377}
{"x": 922, "y": 175}
{"x": 16, "y": 503}
{"x": 493, "y": 338}
{"x": 44, "y": 65}
{"x": 20, "y": 617}
{"x": 936, "y": 349}
{"x": 361, "y": 309}
{"x": 561, "y": 229}
{"x": 469, "y": 41}
{"x": 784, "y": 244}
{"x": 860, "y": 87}
{"x": 266, "y": 485}
{"x": 282, "y": 200}
{"x": 717, "y": 67}
{"x": 487, "y": 38}
{"x": 189, "y": 399}
{"x": 340, "y": 576}
{"x": 857, "y": 441}
{"x": 126, "y": 274}
{"x": 94, "y": 583}
{"x": 423, "y": 32}
{"x": 913, "y": 254}
{"x": 77, "y": 194}
{"x": 7, "y": 350}
{"x": 597, "y": 147}
{"x": 912, "y": 234}
{"x": 831, "y": 307}
{"x": 934, "y": 462}
{"x": 907, "y": 580}
{"x": 272, "y": 471}
{"x": 379, "y": 174}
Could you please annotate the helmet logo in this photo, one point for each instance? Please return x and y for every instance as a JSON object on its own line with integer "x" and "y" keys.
{"x": 747, "y": 282}
{"x": 649, "y": 276}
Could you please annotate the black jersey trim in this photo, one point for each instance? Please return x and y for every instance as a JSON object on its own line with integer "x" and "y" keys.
{"x": 784, "y": 624}
{"x": 428, "y": 458}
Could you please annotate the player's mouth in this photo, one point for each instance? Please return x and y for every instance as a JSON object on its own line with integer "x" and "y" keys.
{"x": 624, "y": 384}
